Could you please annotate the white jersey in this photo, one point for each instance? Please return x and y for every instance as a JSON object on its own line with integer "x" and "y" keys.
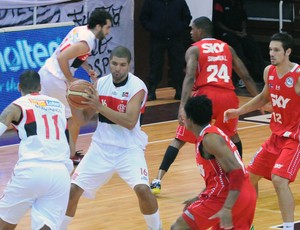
{"x": 77, "y": 34}
{"x": 117, "y": 98}
{"x": 42, "y": 130}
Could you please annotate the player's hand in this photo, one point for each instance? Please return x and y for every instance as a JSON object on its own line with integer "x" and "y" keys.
{"x": 92, "y": 98}
{"x": 229, "y": 114}
{"x": 189, "y": 202}
{"x": 266, "y": 108}
{"x": 69, "y": 81}
{"x": 225, "y": 216}
{"x": 93, "y": 75}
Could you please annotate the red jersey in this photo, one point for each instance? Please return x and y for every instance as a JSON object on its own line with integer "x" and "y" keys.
{"x": 285, "y": 119}
{"x": 216, "y": 179}
{"x": 214, "y": 64}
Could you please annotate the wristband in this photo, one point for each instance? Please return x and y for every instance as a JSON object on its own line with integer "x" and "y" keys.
{"x": 236, "y": 179}
{"x": 3, "y": 128}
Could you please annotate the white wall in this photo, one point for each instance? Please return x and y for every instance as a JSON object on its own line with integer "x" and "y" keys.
{"x": 200, "y": 8}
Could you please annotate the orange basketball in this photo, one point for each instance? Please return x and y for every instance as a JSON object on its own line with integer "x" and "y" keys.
{"x": 75, "y": 93}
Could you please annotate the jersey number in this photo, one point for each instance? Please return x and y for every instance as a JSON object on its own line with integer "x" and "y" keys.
{"x": 277, "y": 117}
{"x": 217, "y": 73}
{"x": 55, "y": 122}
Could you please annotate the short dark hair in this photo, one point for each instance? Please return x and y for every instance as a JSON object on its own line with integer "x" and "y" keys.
{"x": 98, "y": 17}
{"x": 285, "y": 38}
{"x": 205, "y": 24}
{"x": 199, "y": 110}
{"x": 30, "y": 81}
{"x": 121, "y": 52}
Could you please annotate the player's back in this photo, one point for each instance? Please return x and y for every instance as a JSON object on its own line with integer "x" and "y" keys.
{"x": 214, "y": 64}
{"x": 42, "y": 129}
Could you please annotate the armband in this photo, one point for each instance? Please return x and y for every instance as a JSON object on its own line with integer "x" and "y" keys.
{"x": 236, "y": 179}
{"x": 3, "y": 128}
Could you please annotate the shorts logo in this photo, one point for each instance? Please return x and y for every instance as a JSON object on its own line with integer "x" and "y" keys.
{"x": 277, "y": 166}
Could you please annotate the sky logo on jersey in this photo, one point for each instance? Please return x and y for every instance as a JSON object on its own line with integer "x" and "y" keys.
{"x": 213, "y": 47}
{"x": 279, "y": 101}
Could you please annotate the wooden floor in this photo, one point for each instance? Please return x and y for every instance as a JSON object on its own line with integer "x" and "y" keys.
{"x": 116, "y": 207}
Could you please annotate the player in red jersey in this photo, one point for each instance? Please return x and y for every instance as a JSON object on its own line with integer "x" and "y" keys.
{"x": 278, "y": 158}
{"x": 208, "y": 71}
{"x": 228, "y": 200}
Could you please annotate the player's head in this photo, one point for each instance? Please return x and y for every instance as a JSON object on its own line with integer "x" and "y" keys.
{"x": 29, "y": 82}
{"x": 280, "y": 47}
{"x": 285, "y": 38}
{"x": 198, "y": 110}
{"x": 202, "y": 27}
{"x": 119, "y": 63}
{"x": 100, "y": 21}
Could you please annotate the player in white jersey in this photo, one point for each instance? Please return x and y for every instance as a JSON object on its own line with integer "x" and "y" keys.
{"x": 73, "y": 52}
{"x": 118, "y": 143}
{"x": 41, "y": 177}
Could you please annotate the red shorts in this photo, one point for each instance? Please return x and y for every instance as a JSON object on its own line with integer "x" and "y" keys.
{"x": 222, "y": 99}
{"x": 197, "y": 214}
{"x": 279, "y": 156}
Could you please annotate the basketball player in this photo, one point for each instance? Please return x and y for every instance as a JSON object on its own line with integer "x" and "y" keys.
{"x": 278, "y": 158}
{"x": 208, "y": 71}
{"x": 228, "y": 200}
{"x": 118, "y": 143}
{"x": 73, "y": 52}
{"x": 41, "y": 177}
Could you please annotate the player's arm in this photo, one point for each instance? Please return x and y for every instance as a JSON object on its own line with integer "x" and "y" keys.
{"x": 10, "y": 113}
{"x": 71, "y": 52}
{"x": 191, "y": 58}
{"x": 92, "y": 73}
{"x": 255, "y": 103}
{"x": 241, "y": 70}
{"x": 127, "y": 119}
{"x": 215, "y": 145}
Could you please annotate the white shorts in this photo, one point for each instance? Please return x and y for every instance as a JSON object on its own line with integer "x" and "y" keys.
{"x": 44, "y": 188}
{"x": 54, "y": 87}
{"x": 102, "y": 161}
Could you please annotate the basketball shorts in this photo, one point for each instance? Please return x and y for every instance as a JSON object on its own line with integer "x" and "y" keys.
{"x": 279, "y": 156}
{"x": 44, "y": 188}
{"x": 222, "y": 99}
{"x": 198, "y": 213}
{"x": 54, "y": 87}
{"x": 102, "y": 161}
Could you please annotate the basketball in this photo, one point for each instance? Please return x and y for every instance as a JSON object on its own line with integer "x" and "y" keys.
{"x": 75, "y": 93}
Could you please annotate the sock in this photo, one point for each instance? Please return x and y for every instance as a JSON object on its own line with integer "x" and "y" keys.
{"x": 239, "y": 147}
{"x": 169, "y": 157}
{"x": 153, "y": 221}
{"x": 288, "y": 226}
{"x": 66, "y": 221}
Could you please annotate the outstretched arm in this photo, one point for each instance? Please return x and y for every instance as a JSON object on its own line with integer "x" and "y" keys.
{"x": 257, "y": 102}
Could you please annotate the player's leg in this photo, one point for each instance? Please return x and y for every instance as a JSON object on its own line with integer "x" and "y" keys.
{"x": 182, "y": 136}
{"x": 180, "y": 224}
{"x": 93, "y": 171}
{"x": 135, "y": 174}
{"x": 51, "y": 199}
{"x": 283, "y": 176}
{"x": 17, "y": 197}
